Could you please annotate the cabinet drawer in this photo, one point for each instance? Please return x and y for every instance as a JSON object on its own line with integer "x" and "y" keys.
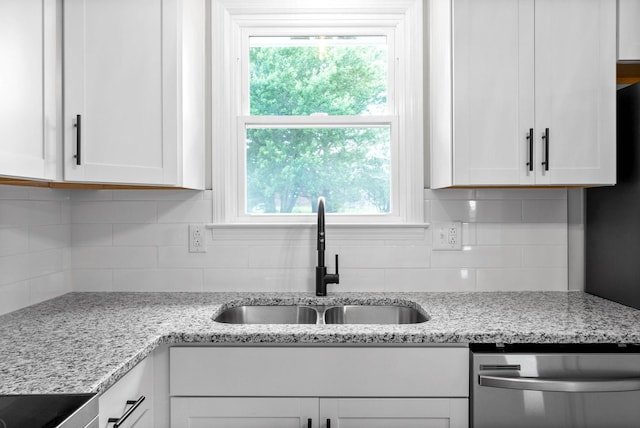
{"x": 339, "y": 371}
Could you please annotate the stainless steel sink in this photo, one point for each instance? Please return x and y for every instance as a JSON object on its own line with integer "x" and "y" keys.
{"x": 269, "y": 315}
{"x": 296, "y": 314}
{"x": 361, "y": 314}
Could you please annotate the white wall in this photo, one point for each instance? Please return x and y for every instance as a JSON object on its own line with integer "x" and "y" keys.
{"x": 137, "y": 241}
{"x": 34, "y": 245}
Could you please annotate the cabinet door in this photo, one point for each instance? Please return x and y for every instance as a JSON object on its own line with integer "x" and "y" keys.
{"x": 493, "y": 92}
{"x": 575, "y": 91}
{"x": 244, "y": 412}
{"x": 113, "y": 403}
{"x": 121, "y": 82}
{"x": 628, "y": 30}
{"x": 394, "y": 412}
{"x": 27, "y": 88}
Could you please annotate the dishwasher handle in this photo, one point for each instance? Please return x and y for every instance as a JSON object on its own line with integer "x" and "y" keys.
{"x": 561, "y": 384}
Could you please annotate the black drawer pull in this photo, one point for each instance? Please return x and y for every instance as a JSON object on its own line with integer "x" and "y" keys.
{"x": 78, "y": 126}
{"x": 545, "y": 137}
{"x": 530, "y": 138}
{"x": 134, "y": 405}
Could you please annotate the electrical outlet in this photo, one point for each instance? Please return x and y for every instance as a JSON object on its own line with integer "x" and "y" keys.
{"x": 197, "y": 239}
{"x": 447, "y": 236}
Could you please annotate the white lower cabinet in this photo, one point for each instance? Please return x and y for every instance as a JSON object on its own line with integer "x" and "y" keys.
{"x": 297, "y": 412}
{"x": 130, "y": 400}
{"x": 319, "y": 387}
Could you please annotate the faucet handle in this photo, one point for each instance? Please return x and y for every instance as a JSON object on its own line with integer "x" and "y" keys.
{"x": 337, "y": 265}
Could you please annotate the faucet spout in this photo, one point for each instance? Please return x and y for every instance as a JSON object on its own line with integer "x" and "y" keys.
{"x": 322, "y": 277}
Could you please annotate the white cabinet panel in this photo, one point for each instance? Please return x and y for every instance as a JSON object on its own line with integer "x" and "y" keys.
{"x": 233, "y": 412}
{"x": 125, "y": 62}
{"x": 294, "y": 412}
{"x": 396, "y": 413}
{"x": 339, "y": 371}
{"x": 628, "y": 30}
{"x": 508, "y": 70}
{"x": 493, "y": 90}
{"x": 139, "y": 382}
{"x": 575, "y": 91}
{"x": 28, "y": 121}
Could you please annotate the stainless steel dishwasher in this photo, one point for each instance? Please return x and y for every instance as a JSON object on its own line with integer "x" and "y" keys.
{"x": 592, "y": 386}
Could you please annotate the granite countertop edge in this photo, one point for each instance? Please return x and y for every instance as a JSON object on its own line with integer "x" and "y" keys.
{"x": 85, "y": 342}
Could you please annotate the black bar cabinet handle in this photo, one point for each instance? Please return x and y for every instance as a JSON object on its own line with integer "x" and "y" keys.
{"x": 530, "y": 138}
{"x": 545, "y": 137}
{"x": 134, "y": 405}
{"x": 309, "y": 423}
{"x": 328, "y": 423}
{"x": 78, "y": 127}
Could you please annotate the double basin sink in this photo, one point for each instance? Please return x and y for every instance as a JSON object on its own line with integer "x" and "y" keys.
{"x": 309, "y": 314}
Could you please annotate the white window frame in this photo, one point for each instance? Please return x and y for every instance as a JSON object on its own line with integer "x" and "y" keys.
{"x": 233, "y": 21}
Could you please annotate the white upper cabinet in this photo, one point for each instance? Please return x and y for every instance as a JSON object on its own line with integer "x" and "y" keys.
{"x": 28, "y": 89}
{"x": 522, "y": 92}
{"x": 628, "y": 30}
{"x": 134, "y": 92}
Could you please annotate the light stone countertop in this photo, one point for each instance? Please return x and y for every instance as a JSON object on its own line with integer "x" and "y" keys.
{"x": 85, "y": 342}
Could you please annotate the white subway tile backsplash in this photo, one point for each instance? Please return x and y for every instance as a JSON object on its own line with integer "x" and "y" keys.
{"x": 14, "y": 296}
{"x": 49, "y": 237}
{"x": 46, "y": 194}
{"x": 215, "y": 257}
{"x": 455, "y": 279}
{"x": 54, "y": 240}
{"x": 223, "y": 279}
{"x": 290, "y": 256}
{"x": 157, "y": 280}
{"x": 114, "y": 212}
{"x": 466, "y": 194}
{"x": 14, "y": 213}
{"x": 477, "y": 211}
{"x": 91, "y": 234}
{"x": 376, "y": 257}
{"x": 545, "y": 256}
{"x": 522, "y": 279}
{"x": 477, "y": 256}
{"x": 544, "y": 211}
{"x": 15, "y": 268}
{"x": 92, "y": 279}
{"x": 358, "y": 280}
{"x": 13, "y": 193}
{"x": 114, "y": 257}
{"x": 528, "y": 193}
{"x": 521, "y": 233}
{"x": 14, "y": 240}
{"x": 91, "y": 195}
{"x": 49, "y": 286}
{"x": 150, "y": 234}
{"x": 46, "y": 262}
{"x": 44, "y": 212}
{"x": 158, "y": 195}
{"x": 190, "y": 211}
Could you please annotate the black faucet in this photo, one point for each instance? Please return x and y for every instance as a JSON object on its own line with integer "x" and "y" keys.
{"x": 322, "y": 277}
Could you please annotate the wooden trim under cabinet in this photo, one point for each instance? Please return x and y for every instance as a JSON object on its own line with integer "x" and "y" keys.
{"x": 627, "y": 73}
{"x": 85, "y": 186}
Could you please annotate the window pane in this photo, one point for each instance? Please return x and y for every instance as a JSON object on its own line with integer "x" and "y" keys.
{"x": 289, "y": 168}
{"x": 333, "y": 75}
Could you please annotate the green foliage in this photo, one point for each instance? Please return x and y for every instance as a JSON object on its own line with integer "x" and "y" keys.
{"x": 289, "y": 168}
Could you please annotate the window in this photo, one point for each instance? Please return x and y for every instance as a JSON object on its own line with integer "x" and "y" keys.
{"x": 316, "y": 101}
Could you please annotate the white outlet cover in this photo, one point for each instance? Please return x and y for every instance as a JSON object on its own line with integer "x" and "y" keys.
{"x": 197, "y": 238}
{"x": 446, "y": 236}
